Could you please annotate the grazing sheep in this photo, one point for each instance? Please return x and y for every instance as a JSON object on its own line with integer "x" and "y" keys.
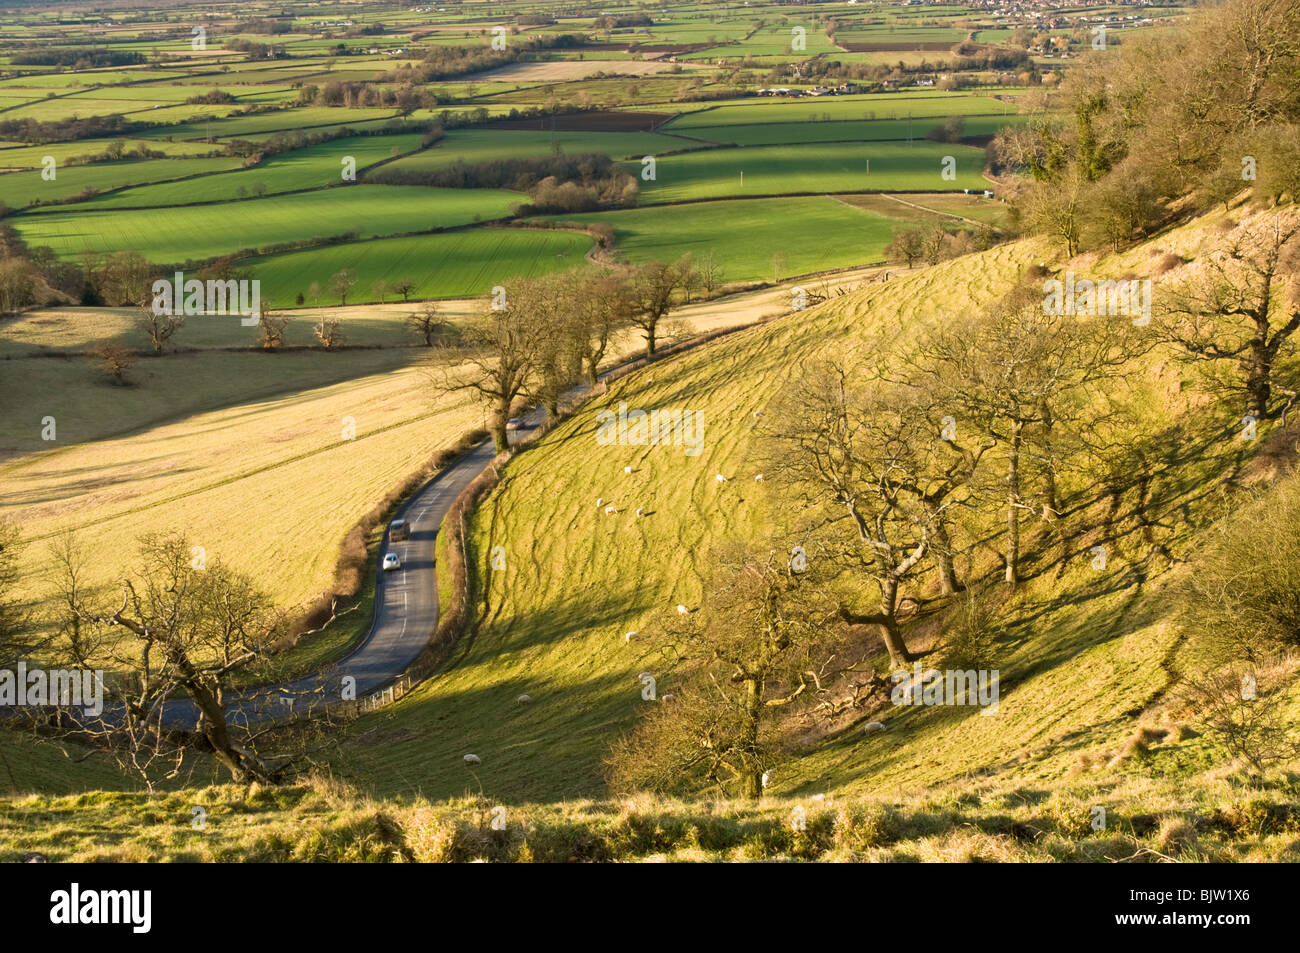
{"x": 627, "y": 469}
{"x": 871, "y": 727}
{"x": 523, "y": 699}
{"x": 720, "y": 478}
{"x": 640, "y": 512}
{"x": 631, "y": 636}
{"x": 758, "y": 413}
{"x": 682, "y": 610}
{"x": 473, "y": 759}
{"x": 611, "y": 510}
{"x": 767, "y": 776}
{"x": 668, "y": 698}
{"x": 759, "y": 477}
{"x": 600, "y": 501}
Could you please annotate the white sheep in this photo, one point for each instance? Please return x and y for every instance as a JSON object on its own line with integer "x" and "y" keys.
{"x": 871, "y": 727}
{"x": 523, "y": 699}
{"x": 473, "y": 759}
{"x": 767, "y": 777}
{"x": 600, "y": 501}
{"x": 627, "y": 469}
{"x": 640, "y": 512}
{"x": 759, "y": 477}
{"x": 720, "y": 478}
{"x": 682, "y": 610}
{"x": 611, "y": 510}
{"x": 631, "y": 636}
{"x": 758, "y": 413}
{"x": 668, "y": 698}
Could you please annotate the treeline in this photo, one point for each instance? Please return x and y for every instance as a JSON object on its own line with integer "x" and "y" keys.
{"x": 540, "y": 336}
{"x": 611, "y": 22}
{"x": 77, "y": 59}
{"x": 282, "y": 142}
{"x": 576, "y": 183}
{"x": 68, "y": 130}
{"x": 448, "y": 62}
{"x": 1198, "y": 115}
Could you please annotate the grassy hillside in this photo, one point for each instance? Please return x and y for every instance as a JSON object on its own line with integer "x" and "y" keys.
{"x": 1083, "y": 656}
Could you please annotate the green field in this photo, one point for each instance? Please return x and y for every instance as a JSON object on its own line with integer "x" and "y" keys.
{"x": 19, "y": 188}
{"x": 744, "y": 235}
{"x": 822, "y": 167}
{"x": 458, "y": 264}
{"x": 205, "y": 231}
{"x": 309, "y": 168}
{"x": 815, "y": 129}
{"x": 921, "y": 105}
{"x": 487, "y": 145}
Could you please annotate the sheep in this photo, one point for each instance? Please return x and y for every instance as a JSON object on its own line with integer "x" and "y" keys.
{"x": 767, "y": 777}
{"x": 523, "y": 699}
{"x": 640, "y": 512}
{"x": 611, "y": 510}
{"x": 473, "y": 759}
{"x": 627, "y": 469}
{"x": 600, "y": 501}
{"x": 631, "y": 636}
{"x": 682, "y": 610}
{"x": 758, "y": 413}
{"x": 759, "y": 477}
{"x": 720, "y": 478}
{"x": 668, "y": 698}
{"x": 871, "y": 727}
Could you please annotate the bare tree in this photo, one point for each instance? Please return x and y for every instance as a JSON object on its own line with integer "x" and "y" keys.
{"x": 329, "y": 332}
{"x": 653, "y": 288}
{"x": 380, "y": 289}
{"x": 598, "y": 307}
{"x": 1019, "y": 374}
{"x": 341, "y": 283}
{"x": 270, "y": 330}
{"x": 871, "y": 480}
{"x": 1233, "y": 312}
{"x": 114, "y": 360}
{"x": 404, "y": 287}
{"x": 159, "y": 327}
{"x": 174, "y": 628}
{"x": 506, "y": 352}
{"x": 428, "y": 323}
{"x": 761, "y": 649}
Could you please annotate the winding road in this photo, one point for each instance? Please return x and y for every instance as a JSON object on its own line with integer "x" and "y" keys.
{"x": 406, "y": 606}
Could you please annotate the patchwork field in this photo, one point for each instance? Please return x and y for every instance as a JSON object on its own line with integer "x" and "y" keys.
{"x": 208, "y": 230}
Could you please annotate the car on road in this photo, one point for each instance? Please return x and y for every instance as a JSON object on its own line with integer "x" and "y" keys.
{"x": 514, "y": 423}
{"x": 399, "y": 530}
{"x": 392, "y": 562}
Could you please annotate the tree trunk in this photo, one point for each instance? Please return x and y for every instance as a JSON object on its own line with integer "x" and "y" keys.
{"x": 948, "y": 582}
{"x": 890, "y": 630}
{"x": 497, "y": 426}
{"x": 1259, "y": 388}
{"x": 752, "y": 777}
{"x": 650, "y": 338}
{"x": 1013, "y": 507}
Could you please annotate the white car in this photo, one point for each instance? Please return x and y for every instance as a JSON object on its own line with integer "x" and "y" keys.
{"x": 392, "y": 562}
{"x": 514, "y": 423}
